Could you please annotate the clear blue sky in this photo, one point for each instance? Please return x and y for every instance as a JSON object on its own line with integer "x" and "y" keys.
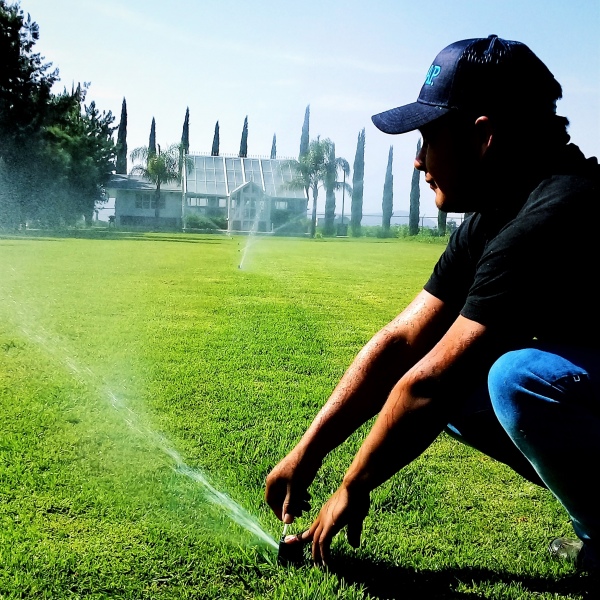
{"x": 348, "y": 59}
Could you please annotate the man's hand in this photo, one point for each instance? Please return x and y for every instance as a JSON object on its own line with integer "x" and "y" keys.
{"x": 348, "y": 508}
{"x": 287, "y": 486}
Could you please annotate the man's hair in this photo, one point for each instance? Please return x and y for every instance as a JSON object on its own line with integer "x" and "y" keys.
{"x": 497, "y": 69}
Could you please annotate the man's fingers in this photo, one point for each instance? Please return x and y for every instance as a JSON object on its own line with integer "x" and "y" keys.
{"x": 316, "y": 550}
{"x": 294, "y": 505}
{"x": 353, "y": 532}
{"x": 323, "y": 545}
{"x": 275, "y": 490}
{"x": 321, "y": 541}
{"x": 300, "y": 538}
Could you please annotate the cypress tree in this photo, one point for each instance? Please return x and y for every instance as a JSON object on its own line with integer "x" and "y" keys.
{"x": 358, "y": 176}
{"x": 274, "y": 147}
{"x": 152, "y": 140}
{"x": 442, "y": 216}
{"x": 387, "y": 204}
{"x": 215, "y": 144}
{"x": 304, "y": 141}
{"x": 185, "y": 134}
{"x": 415, "y": 195}
{"x": 121, "y": 166}
{"x": 244, "y": 140}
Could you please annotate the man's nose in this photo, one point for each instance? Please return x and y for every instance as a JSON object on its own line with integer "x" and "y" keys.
{"x": 420, "y": 158}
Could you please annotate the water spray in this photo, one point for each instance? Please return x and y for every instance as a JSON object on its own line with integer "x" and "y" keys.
{"x": 136, "y": 423}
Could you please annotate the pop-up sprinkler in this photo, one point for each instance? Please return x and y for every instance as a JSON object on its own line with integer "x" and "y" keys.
{"x": 291, "y": 553}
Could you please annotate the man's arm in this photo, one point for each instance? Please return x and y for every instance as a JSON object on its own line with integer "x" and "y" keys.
{"x": 359, "y": 395}
{"x": 415, "y": 412}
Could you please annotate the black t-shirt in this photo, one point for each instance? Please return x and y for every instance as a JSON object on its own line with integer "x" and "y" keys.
{"x": 532, "y": 272}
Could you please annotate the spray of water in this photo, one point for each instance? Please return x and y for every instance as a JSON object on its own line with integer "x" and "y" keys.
{"x": 251, "y": 238}
{"x": 134, "y": 421}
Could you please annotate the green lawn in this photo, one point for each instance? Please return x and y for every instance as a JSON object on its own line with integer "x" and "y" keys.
{"x": 124, "y": 357}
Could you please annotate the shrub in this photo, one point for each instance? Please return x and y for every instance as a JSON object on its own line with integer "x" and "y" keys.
{"x": 197, "y": 221}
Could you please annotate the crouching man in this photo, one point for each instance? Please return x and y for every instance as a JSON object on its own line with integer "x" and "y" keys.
{"x": 501, "y": 348}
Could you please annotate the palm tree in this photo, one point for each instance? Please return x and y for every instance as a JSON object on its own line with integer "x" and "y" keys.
{"x": 159, "y": 167}
{"x": 311, "y": 169}
{"x": 332, "y": 166}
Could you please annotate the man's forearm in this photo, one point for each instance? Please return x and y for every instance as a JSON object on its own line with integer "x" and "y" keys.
{"x": 421, "y": 403}
{"x": 399, "y": 435}
{"x": 364, "y": 388}
{"x": 359, "y": 395}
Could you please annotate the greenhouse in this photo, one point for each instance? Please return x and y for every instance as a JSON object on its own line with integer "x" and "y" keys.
{"x": 237, "y": 194}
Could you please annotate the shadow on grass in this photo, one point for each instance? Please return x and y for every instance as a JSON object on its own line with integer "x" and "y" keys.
{"x": 387, "y": 581}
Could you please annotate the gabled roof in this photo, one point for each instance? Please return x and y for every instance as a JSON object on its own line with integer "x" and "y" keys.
{"x": 138, "y": 184}
{"x": 248, "y": 184}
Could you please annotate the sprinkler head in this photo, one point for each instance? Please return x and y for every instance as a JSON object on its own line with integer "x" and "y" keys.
{"x": 290, "y": 554}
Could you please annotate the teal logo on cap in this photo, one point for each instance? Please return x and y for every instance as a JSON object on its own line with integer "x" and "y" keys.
{"x": 434, "y": 71}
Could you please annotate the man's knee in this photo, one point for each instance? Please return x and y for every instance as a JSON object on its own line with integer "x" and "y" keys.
{"x": 524, "y": 384}
{"x": 513, "y": 377}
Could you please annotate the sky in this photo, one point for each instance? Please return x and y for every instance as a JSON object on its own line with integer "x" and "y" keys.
{"x": 347, "y": 59}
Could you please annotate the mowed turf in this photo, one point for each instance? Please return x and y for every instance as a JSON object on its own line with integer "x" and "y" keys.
{"x": 116, "y": 352}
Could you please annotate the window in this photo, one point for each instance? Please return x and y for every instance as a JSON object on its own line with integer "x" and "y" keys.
{"x": 196, "y": 201}
{"x": 147, "y": 201}
{"x": 222, "y": 202}
{"x": 281, "y": 204}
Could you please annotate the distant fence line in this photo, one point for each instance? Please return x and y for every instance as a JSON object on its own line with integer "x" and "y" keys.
{"x": 403, "y": 219}
{"x": 458, "y": 218}
{"x": 371, "y": 220}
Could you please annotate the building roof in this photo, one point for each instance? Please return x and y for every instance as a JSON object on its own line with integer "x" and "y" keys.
{"x": 220, "y": 175}
{"x": 248, "y": 184}
{"x": 139, "y": 184}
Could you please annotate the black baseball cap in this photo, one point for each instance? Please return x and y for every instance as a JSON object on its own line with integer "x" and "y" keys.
{"x": 475, "y": 74}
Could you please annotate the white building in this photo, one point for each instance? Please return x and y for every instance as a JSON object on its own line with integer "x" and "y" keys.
{"x": 237, "y": 194}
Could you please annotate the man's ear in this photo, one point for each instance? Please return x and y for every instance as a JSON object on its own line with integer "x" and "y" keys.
{"x": 485, "y": 135}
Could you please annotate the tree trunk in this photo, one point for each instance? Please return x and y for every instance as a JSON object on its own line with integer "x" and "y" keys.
{"x": 329, "y": 228}
{"x": 442, "y": 222}
{"x": 313, "y": 223}
{"x": 157, "y": 207}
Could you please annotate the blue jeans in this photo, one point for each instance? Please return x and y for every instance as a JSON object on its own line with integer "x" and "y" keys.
{"x": 540, "y": 415}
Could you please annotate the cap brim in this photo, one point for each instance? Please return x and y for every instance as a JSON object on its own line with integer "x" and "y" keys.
{"x": 407, "y": 118}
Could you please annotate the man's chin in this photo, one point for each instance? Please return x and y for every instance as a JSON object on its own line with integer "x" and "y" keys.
{"x": 448, "y": 205}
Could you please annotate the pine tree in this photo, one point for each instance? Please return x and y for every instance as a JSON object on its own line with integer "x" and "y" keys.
{"x": 185, "y": 134}
{"x": 244, "y": 140}
{"x": 121, "y": 166}
{"x": 56, "y": 152}
{"x": 274, "y": 147}
{"x": 387, "y": 204}
{"x": 152, "y": 140}
{"x": 442, "y": 216}
{"x": 215, "y": 144}
{"x": 304, "y": 138}
{"x": 415, "y": 195}
{"x": 358, "y": 176}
